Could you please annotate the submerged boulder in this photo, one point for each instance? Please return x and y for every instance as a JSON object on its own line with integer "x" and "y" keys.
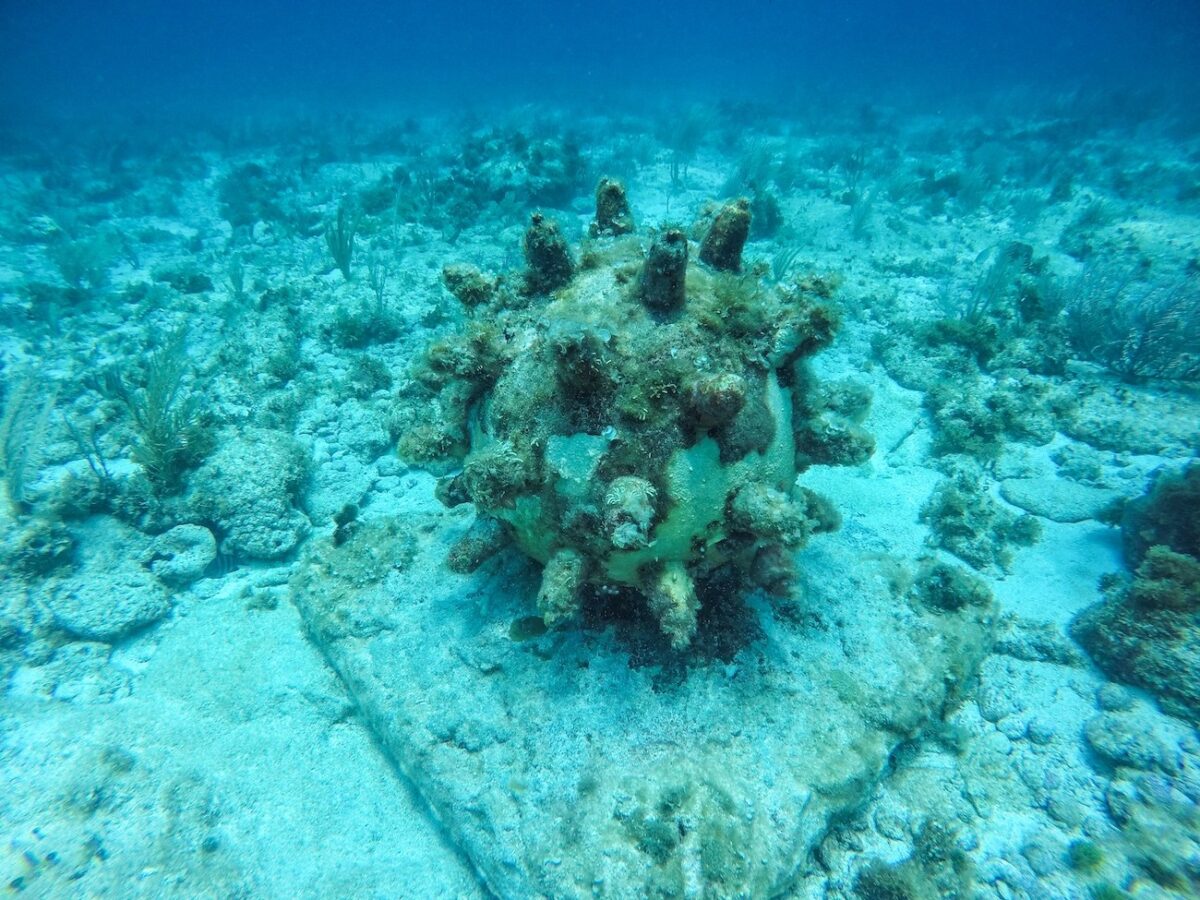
{"x": 1146, "y": 631}
{"x": 248, "y": 488}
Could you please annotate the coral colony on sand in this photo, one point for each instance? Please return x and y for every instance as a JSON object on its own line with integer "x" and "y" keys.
{"x": 638, "y": 417}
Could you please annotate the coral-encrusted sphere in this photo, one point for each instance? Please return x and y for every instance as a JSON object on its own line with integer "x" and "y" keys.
{"x": 631, "y": 420}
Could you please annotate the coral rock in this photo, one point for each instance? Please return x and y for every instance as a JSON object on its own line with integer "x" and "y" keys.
{"x": 468, "y": 284}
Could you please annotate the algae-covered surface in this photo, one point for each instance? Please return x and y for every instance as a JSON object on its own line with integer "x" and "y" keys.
{"x": 619, "y": 466}
{"x": 638, "y": 780}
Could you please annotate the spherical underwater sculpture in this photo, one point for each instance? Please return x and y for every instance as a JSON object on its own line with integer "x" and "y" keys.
{"x": 635, "y": 418}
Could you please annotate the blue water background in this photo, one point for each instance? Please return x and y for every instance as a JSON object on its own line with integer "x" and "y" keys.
{"x": 84, "y": 56}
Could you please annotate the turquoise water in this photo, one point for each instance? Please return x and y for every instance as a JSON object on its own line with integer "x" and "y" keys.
{"x": 600, "y": 451}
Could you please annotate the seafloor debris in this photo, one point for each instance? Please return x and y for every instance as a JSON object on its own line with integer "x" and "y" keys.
{"x": 635, "y": 421}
